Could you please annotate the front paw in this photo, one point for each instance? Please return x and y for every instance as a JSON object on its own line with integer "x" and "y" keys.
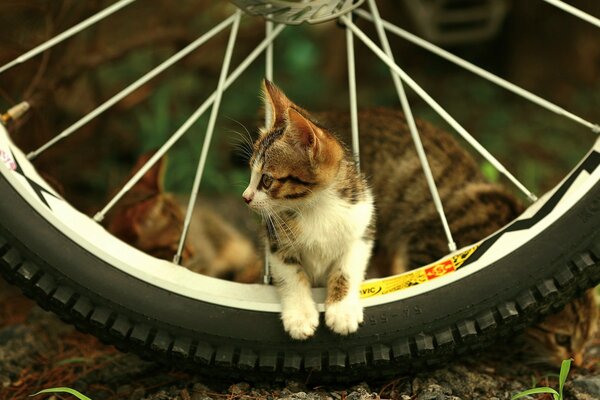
{"x": 301, "y": 322}
{"x": 344, "y": 317}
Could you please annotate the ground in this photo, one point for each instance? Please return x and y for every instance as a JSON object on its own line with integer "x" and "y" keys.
{"x": 38, "y": 351}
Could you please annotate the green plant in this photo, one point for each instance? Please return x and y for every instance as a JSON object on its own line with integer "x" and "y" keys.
{"x": 74, "y": 392}
{"x": 564, "y": 372}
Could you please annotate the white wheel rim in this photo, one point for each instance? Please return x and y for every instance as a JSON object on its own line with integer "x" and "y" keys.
{"x": 257, "y": 297}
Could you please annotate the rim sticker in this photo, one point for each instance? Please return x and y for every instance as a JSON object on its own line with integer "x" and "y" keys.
{"x": 424, "y": 274}
{"x": 7, "y": 159}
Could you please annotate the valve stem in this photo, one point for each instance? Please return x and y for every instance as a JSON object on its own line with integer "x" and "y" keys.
{"x": 15, "y": 112}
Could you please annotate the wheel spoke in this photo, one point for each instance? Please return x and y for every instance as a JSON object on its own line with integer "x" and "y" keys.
{"x": 269, "y": 52}
{"x": 131, "y": 88}
{"x": 413, "y": 129}
{"x": 352, "y": 95}
{"x": 575, "y": 11}
{"x": 440, "y": 110}
{"x": 189, "y": 122}
{"x": 269, "y": 76}
{"x": 214, "y": 112}
{"x": 66, "y": 34}
{"x": 480, "y": 71}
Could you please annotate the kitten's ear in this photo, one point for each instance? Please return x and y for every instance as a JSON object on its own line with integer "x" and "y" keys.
{"x": 152, "y": 180}
{"x": 276, "y": 104}
{"x": 303, "y": 131}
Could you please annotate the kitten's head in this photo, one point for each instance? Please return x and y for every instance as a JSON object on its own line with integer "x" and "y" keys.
{"x": 567, "y": 334}
{"x": 147, "y": 217}
{"x": 293, "y": 158}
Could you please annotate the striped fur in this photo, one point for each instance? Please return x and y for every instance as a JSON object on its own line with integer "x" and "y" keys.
{"x": 409, "y": 232}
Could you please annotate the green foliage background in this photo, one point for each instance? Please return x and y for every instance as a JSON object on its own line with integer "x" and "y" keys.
{"x": 538, "y": 146}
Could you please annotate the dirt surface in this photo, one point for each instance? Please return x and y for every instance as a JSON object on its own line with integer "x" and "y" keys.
{"x": 39, "y": 351}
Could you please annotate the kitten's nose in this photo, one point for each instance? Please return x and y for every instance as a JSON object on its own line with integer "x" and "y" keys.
{"x": 248, "y": 196}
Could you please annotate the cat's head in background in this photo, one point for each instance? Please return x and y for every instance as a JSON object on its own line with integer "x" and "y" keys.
{"x": 567, "y": 334}
{"x": 151, "y": 219}
{"x": 293, "y": 158}
{"x": 147, "y": 217}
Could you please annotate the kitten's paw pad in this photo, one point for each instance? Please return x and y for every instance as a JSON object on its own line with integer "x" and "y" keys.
{"x": 301, "y": 323}
{"x": 344, "y": 317}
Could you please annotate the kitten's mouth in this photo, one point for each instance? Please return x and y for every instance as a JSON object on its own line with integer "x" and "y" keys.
{"x": 253, "y": 206}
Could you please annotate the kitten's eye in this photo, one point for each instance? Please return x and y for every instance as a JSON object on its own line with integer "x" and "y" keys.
{"x": 562, "y": 340}
{"x": 266, "y": 181}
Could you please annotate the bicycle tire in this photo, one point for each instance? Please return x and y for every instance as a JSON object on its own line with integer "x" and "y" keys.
{"x": 426, "y": 329}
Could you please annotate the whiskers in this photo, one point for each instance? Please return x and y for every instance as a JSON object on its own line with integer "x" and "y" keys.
{"x": 242, "y": 141}
{"x": 281, "y": 229}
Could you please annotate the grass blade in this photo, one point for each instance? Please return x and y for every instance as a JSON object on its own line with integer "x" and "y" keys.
{"x": 564, "y": 372}
{"x": 62, "y": 390}
{"x": 536, "y": 391}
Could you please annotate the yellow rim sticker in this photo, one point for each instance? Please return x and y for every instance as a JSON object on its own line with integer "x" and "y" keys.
{"x": 394, "y": 283}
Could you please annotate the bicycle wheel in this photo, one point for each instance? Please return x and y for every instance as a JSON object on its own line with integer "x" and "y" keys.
{"x": 72, "y": 266}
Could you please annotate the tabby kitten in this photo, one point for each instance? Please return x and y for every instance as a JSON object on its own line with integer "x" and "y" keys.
{"x": 409, "y": 231}
{"x": 567, "y": 334}
{"x": 151, "y": 220}
{"x": 319, "y": 209}
{"x": 319, "y": 217}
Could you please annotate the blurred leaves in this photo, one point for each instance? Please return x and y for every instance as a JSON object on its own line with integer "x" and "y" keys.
{"x": 537, "y": 146}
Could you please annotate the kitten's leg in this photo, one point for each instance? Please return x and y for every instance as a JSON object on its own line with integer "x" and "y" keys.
{"x": 299, "y": 312}
{"x": 343, "y": 311}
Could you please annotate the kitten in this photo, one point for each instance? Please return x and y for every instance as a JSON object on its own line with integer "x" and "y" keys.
{"x": 319, "y": 217}
{"x": 151, "y": 220}
{"x": 319, "y": 208}
{"x": 567, "y": 334}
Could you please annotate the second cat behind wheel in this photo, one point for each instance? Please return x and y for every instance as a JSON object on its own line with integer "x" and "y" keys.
{"x": 151, "y": 219}
{"x": 409, "y": 230}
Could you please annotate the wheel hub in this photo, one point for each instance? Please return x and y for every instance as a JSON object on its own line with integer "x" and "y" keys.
{"x": 298, "y": 11}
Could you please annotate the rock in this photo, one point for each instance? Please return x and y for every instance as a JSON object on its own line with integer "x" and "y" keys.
{"x": 295, "y": 386}
{"x": 362, "y": 385}
{"x": 299, "y": 396}
{"x": 361, "y": 394}
{"x": 435, "y": 392}
{"x": 585, "y": 388}
{"x": 200, "y": 396}
{"x": 239, "y": 388}
{"x": 588, "y": 384}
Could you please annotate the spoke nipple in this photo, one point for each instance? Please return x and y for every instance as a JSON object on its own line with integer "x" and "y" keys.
{"x": 596, "y": 129}
{"x": 99, "y": 217}
{"x": 176, "y": 259}
{"x": 532, "y": 197}
{"x": 267, "y": 279}
{"x": 452, "y": 246}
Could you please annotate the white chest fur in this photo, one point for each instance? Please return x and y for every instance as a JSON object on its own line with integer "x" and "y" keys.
{"x": 327, "y": 229}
